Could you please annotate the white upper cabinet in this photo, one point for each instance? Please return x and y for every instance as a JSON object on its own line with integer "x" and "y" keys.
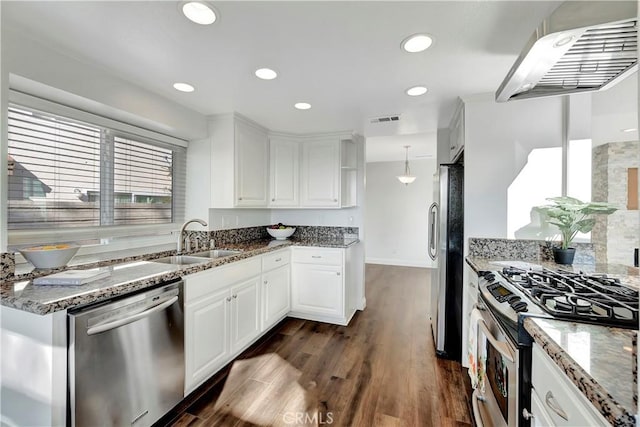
{"x": 284, "y": 167}
{"x": 241, "y": 165}
{"x": 456, "y": 132}
{"x": 230, "y": 168}
{"x": 251, "y": 164}
{"x": 320, "y": 173}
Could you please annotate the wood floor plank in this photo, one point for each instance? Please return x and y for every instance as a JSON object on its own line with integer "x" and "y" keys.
{"x": 381, "y": 370}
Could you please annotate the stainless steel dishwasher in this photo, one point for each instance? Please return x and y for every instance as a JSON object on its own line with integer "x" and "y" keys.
{"x": 126, "y": 359}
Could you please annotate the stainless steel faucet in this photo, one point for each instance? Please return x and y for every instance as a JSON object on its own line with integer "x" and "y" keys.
{"x": 184, "y": 226}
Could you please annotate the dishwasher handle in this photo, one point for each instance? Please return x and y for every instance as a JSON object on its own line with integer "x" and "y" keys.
{"x": 126, "y": 320}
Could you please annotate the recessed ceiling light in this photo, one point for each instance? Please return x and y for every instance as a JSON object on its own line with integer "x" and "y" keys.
{"x": 266, "y": 74}
{"x": 302, "y": 105}
{"x": 183, "y": 87}
{"x": 199, "y": 12}
{"x": 417, "y": 43}
{"x": 630, "y": 130}
{"x": 416, "y": 91}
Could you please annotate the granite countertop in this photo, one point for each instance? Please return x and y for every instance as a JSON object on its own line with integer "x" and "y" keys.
{"x": 599, "y": 360}
{"x": 629, "y": 276}
{"x": 130, "y": 274}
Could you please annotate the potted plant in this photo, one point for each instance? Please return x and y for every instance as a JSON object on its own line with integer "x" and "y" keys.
{"x": 572, "y": 216}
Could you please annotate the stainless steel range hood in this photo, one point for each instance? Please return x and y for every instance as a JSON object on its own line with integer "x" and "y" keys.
{"x": 583, "y": 46}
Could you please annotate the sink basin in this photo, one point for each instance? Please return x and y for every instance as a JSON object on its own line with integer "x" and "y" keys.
{"x": 217, "y": 253}
{"x": 182, "y": 260}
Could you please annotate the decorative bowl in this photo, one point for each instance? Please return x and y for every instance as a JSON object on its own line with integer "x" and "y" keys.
{"x": 281, "y": 233}
{"x": 49, "y": 256}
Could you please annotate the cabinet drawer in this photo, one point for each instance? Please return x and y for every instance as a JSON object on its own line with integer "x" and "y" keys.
{"x": 557, "y": 394}
{"x": 275, "y": 260}
{"x": 208, "y": 281}
{"x": 320, "y": 256}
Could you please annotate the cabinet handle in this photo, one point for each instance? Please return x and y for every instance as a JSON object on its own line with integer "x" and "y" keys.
{"x": 552, "y": 403}
{"x": 526, "y": 414}
{"x": 239, "y": 198}
{"x": 335, "y": 200}
{"x": 228, "y": 299}
{"x": 316, "y": 256}
{"x": 278, "y": 259}
{"x": 453, "y": 147}
{"x": 265, "y": 282}
{"x": 235, "y": 296}
{"x": 273, "y": 200}
{"x": 338, "y": 273}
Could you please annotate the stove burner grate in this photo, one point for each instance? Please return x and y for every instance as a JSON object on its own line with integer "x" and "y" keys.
{"x": 578, "y": 296}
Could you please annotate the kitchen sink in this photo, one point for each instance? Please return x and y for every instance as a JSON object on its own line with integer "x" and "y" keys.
{"x": 182, "y": 259}
{"x": 216, "y": 253}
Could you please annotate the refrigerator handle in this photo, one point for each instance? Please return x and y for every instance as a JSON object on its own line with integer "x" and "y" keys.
{"x": 433, "y": 231}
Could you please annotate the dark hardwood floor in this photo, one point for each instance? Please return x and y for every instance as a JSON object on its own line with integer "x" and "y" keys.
{"x": 381, "y": 370}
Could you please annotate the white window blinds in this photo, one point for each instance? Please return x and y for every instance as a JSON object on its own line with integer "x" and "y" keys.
{"x": 142, "y": 182}
{"x": 67, "y": 173}
{"x": 56, "y": 165}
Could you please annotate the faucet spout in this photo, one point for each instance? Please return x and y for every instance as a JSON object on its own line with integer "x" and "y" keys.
{"x": 182, "y": 229}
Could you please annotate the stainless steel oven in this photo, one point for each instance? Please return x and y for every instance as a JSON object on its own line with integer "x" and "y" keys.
{"x": 495, "y": 401}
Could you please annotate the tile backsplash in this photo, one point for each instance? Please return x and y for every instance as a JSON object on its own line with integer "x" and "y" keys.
{"x": 303, "y": 232}
{"x": 7, "y": 265}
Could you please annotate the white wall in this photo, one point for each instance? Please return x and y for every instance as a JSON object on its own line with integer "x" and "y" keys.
{"x": 498, "y": 140}
{"x": 61, "y": 78}
{"x": 396, "y": 215}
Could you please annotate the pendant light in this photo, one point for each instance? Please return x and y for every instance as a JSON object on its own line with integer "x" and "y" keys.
{"x": 406, "y": 178}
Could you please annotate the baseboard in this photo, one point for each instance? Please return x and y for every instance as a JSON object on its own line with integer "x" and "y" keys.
{"x": 363, "y": 304}
{"x": 342, "y": 321}
{"x": 399, "y": 262}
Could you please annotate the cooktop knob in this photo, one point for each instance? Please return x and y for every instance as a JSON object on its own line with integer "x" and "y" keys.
{"x": 512, "y": 299}
{"x": 520, "y": 306}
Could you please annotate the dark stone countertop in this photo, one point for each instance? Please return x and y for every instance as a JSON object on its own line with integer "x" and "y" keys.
{"x": 130, "y": 274}
{"x": 597, "y": 359}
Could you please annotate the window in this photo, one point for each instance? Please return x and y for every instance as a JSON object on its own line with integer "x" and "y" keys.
{"x": 66, "y": 173}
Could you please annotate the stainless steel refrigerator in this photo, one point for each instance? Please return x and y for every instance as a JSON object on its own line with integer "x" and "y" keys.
{"x": 446, "y": 248}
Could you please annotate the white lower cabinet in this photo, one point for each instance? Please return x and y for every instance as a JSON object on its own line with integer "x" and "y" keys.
{"x": 245, "y": 313}
{"x": 227, "y": 308}
{"x": 276, "y": 295}
{"x": 222, "y": 317}
{"x": 319, "y": 290}
{"x": 556, "y": 401}
{"x": 207, "y": 344}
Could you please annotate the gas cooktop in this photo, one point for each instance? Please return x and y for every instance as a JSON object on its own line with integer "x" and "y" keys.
{"x": 577, "y": 296}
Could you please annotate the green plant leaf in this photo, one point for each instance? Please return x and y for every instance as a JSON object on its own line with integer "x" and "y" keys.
{"x": 585, "y": 225}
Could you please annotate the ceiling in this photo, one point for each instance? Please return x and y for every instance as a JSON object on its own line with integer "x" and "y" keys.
{"x": 342, "y": 57}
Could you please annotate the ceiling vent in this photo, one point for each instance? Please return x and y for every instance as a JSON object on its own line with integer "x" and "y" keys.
{"x": 582, "y": 47}
{"x": 385, "y": 119}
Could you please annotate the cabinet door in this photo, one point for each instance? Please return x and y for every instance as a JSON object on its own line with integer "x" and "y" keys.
{"x": 276, "y": 294}
{"x": 318, "y": 289}
{"x": 206, "y": 338}
{"x": 284, "y": 172}
{"x": 245, "y": 313}
{"x": 320, "y": 173}
{"x": 251, "y": 160}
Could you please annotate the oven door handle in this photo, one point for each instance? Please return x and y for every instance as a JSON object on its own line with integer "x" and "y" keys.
{"x": 501, "y": 347}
